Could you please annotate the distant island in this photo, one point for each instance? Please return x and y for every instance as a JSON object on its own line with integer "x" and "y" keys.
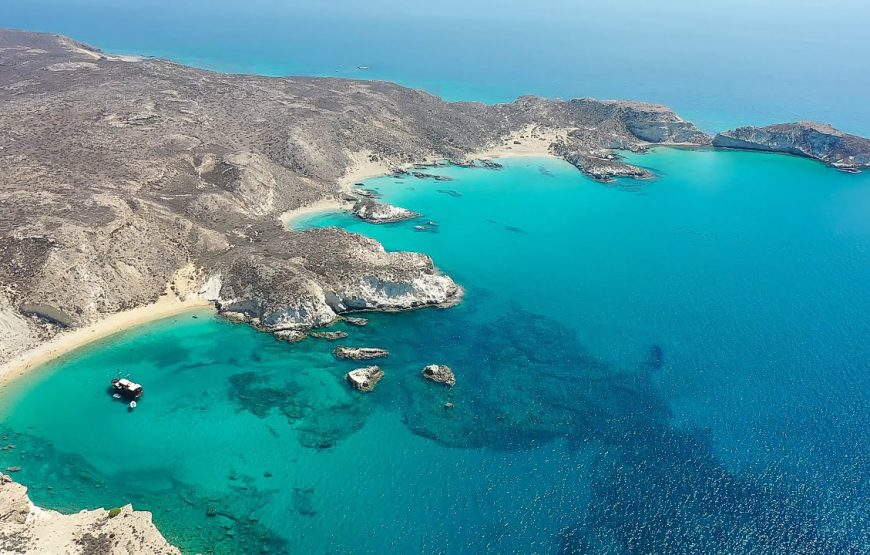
{"x": 135, "y": 188}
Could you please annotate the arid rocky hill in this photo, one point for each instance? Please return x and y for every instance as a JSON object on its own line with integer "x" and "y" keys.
{"x": 118, "y": 171}
{"x": 818, "y": 141}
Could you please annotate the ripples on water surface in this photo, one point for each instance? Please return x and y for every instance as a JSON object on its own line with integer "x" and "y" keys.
{"x": 674, "y": 366}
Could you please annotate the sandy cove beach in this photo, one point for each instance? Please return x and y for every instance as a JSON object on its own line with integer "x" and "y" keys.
{"x": 187, "y": 296}
{"x": 66, "y": 342}
{"x": 531, "y": 141}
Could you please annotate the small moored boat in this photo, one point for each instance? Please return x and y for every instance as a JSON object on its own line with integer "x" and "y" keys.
{"x": 126, "y": 389}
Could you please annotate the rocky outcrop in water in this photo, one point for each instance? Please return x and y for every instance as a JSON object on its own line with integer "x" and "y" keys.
{"x": 818, "y": 141}
{"x": 365, "y": 379}
{"x": 440, "y": 374}
{"x": 359, "y": 353}
{"x": 381, "y": 213}
{"x": 356, "y": 321}
{"x": 25, "y": 528}
{"x": 602, "y": 168}
{"x": 328, "y": 335}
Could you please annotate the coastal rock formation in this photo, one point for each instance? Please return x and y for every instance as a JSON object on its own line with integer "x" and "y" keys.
{"x": 818, "y": 141}
{"x": 365, "y": 379}
{"x": 329, "y": 335}
{"x": 381, "y": 213}
{"x": 359, "y": 353}
{"x": 120, "y": 171}
{"x": 356, "y": 321}
{"x": 291, "y": 336}
{"x": 304, "y": 280}
{"x": 440, "y": 374}
{"x": 25, "y": 528}
{"x": 603, "y": 168}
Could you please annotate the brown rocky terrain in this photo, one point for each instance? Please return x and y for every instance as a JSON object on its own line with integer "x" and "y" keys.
{"x": 119, "y": 171}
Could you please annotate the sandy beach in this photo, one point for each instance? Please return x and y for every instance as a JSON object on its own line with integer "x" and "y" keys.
{"x": 66, "y": 342}
{"x": 189, "y": 295}
{"x": 530, "y": 141}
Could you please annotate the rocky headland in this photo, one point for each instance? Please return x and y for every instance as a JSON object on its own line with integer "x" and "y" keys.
{"x": 381, "y": 213}
{"x": 25, "y": 528}
{"x": 818, "y": 141}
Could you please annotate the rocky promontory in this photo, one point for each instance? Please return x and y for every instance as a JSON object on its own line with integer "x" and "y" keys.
{"x": 818, "y": 141}
{"x": 381, "y": 213}
{"x": 25, "y": 528}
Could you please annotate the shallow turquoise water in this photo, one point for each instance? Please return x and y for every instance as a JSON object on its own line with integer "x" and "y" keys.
{"x": 671, "y": 366}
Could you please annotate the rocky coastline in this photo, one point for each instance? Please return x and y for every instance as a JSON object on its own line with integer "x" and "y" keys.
{"x": 818, "y": 141}
{"x": 26, "y": 528}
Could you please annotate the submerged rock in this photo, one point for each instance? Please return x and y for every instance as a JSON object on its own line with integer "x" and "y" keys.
{"x": 331, "y": 335}
{"x": 381, "y": 213}
{"x": 818, "y": 141}
{"x": 356, "y": 321}
{"x": 365, "y": 379}
{"x": 291, "y": 336}
{"x": 439, "y": 373}
{"x": 359, "y": 353}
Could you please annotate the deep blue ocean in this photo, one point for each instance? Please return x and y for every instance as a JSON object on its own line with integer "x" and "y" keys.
{"x": 679, "y": 365}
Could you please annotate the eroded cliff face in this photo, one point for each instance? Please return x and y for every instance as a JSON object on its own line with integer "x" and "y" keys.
{"x": 25, "y": 528}
{"x": 812, "y": 140}
{"x": 118, "y": 172}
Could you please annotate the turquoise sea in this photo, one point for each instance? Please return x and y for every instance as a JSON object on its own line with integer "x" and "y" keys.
{"x": 669, "y": 366}
{"x": 672, "y": 366}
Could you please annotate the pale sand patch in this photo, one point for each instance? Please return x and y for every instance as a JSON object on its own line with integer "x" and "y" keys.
{"x": 186, "y": 297}
{"x": 533, "y": 140}
{"x": 329, "y": 204}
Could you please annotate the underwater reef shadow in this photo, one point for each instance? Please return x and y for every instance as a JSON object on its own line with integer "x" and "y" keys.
{"x": 655, "y": 488}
